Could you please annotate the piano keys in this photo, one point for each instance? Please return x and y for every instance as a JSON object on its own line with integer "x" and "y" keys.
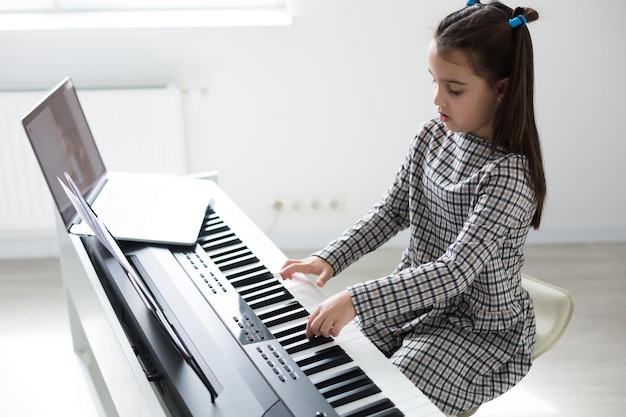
{"x": 248, "y": 259}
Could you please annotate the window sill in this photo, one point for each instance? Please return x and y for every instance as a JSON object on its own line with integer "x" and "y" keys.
{"x": 158, "y": 19}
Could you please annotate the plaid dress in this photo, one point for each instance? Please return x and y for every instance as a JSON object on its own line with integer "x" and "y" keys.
{"x": 453, "y": 315}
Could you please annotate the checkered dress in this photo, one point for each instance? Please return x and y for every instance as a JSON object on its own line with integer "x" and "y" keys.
{"x": 453, "y": 315}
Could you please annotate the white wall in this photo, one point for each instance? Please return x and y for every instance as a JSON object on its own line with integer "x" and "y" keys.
{"x": 330, "y": 103}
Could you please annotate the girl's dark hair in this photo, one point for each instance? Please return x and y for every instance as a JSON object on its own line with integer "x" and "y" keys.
{"x": 495, "y": 51}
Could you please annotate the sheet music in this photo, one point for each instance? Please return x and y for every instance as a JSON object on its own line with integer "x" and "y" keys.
{"x": 107, "y": 239}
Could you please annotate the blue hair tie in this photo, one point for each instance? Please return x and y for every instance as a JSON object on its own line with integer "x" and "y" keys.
{"x": 471, "y": 2}
{"x": 517, "y": 21}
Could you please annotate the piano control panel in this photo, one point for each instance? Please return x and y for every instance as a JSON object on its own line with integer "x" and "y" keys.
{"x": 209, "y": 280}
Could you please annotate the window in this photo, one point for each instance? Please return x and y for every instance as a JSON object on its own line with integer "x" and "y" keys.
{"x": 112, "y": 5}
{"x": 47, "y": 15}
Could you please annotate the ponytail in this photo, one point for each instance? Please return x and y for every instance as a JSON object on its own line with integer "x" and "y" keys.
{"x": 514, "y": 125}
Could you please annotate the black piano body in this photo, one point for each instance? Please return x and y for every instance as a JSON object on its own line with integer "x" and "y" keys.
{"x": 249, "y": 367}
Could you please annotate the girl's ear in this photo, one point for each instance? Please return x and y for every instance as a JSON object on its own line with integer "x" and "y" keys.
{"x": 501, "y": 87}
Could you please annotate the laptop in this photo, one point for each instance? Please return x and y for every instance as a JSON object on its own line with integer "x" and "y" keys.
{"x": 147, "y": 207}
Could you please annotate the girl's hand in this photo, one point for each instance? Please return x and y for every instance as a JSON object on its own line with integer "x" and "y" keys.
{"x": 311, "y": 265}
{"x": 331, "y": 316}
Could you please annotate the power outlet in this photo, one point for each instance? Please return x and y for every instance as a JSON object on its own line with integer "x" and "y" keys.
{"x": 310, "y": 204}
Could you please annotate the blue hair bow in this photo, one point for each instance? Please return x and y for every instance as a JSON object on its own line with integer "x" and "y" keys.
{"x": 471, "y": 2}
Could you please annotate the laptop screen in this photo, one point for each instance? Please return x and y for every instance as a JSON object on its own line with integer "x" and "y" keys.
{"x": 62, "y": 141}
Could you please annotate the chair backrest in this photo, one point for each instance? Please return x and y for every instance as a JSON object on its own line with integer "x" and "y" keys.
{"x": 554, "y": 308}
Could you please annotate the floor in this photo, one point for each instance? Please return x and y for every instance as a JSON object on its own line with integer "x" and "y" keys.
{"x": 584, "y": 375}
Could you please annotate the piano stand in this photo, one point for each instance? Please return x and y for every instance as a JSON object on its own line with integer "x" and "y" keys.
{"x": 99, "y": 340}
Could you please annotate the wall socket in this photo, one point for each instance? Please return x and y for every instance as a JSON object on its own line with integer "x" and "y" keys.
{"x": 310, "y": 204}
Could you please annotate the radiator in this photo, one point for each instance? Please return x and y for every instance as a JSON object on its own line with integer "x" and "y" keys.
{"x": 138, "y": 130}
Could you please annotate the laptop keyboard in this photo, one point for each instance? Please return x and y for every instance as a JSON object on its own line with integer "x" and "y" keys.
{"x": 127, "y": 207}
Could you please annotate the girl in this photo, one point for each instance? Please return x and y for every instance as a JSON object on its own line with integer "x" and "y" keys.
{"x": 453, "y": 315}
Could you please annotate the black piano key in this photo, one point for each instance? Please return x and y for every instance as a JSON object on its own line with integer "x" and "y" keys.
{"x": 294, "y": 340}
{"x": 322, "y": 360}
{"x": 338, "y": 378}
{"x": 256, "y": 276}
{"x": 262, "y": 290}
{"x": 304, "y": 343}
{"x": 237, "y": 263}
{"x": 215, "y": 228}
{"x": 383, "y": 407}
{"x": 211, "y": 223}
{"x": 354, "y": 394}
{"x": 254, "y": 290}
{"x": 296, "y": 328}
{"x": 260, "y": 269}
{"x": 325, "y": 364}
{"x": 270, "y": 300}
{"x": 214, "y": 237}
{"x": 280, "y": 309}
{"x": 217, "y": 254}
{"x": 298, "y": 314}
{"x": 212, "y": 244}
{"x": 231, "y": 254}
{"x": 347, "y": 386}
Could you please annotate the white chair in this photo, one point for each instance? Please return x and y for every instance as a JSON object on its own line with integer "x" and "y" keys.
{"x": 553, "y": 311}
